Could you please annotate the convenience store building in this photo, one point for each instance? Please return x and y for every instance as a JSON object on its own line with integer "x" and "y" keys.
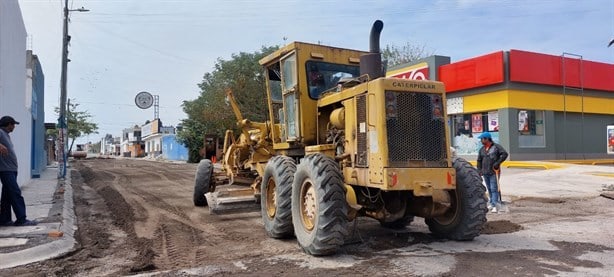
{"x": 537, "y": 106}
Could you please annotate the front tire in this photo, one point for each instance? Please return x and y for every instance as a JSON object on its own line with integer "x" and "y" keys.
{"x": 276, "y": 197}
{"x": 202, "y": 182}
{"x": 467, "y": 215}
{"x": 319, "y": 206}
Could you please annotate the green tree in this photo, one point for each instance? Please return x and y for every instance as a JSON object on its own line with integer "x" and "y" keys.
{"x": 407, "y": 53}
{"x": 78, "y": 122}
{"x": 95, "y": 147}
{"x": 210, "y": 113}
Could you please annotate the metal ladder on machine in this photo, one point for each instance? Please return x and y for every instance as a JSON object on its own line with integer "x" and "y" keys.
{"x": 567, "y": 88}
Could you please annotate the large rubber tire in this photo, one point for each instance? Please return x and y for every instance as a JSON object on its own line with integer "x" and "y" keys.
{"x": 276, "y": 197}
{"x": 319, "y": 206}
{"x": 467, "y": 216}
{"x": 202, "y": 182}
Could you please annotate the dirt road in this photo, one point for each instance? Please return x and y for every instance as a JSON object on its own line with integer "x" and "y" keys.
{"x": 137, "y": 217}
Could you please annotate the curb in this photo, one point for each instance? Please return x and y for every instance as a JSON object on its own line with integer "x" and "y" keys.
{"x": 53, "y": 249}
{"x": 587, "y": 162}
{"x": 532, "y": 165}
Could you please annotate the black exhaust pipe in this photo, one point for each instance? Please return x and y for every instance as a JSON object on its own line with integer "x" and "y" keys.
{"x": 376, "y": 31}
{"x": 371, "y": 63}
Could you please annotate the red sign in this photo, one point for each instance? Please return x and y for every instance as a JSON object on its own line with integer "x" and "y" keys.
{"x": 472, "y": 73}
{"x": 546, "y": 69}
{"x": 416, "y": 72}
{"x": 476, "y": 123}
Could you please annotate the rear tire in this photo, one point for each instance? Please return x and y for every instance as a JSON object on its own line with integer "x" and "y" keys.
{"x": 202, "y": 182}
{"x": 276, "y": 197}
{"x": 319, "y": 206}
{"x": 465, "y": 219}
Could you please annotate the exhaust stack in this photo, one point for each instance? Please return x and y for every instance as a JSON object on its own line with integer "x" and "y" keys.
{"x": 371, "y": 63}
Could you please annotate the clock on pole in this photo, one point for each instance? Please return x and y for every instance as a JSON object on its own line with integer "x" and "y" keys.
{"x": 144, "y": 100}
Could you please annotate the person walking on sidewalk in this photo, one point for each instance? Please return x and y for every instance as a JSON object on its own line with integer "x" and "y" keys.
{"x": 11, "y": 193}
{"x": 490, "y": 157}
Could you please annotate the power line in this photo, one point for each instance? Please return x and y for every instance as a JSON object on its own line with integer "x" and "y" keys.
{"x": 142, "y": 45}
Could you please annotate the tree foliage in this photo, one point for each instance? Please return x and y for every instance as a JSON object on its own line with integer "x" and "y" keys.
{"x": 210, "y": 113}
{"x": 78, "y": 122}
{"x": 407, "y": 53}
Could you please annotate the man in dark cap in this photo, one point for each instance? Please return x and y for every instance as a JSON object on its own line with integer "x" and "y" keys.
{"x": 11, "y": 193}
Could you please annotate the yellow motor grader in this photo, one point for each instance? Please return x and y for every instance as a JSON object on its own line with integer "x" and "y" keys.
{"x": 343, "y": 141}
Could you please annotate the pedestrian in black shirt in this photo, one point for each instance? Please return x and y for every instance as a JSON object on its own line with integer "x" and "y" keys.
{"x": 11, "y": 193}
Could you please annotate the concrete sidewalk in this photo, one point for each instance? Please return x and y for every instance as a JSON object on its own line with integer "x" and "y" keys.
{"x": 559, "y": 181}
{"x": 50, "y": 202}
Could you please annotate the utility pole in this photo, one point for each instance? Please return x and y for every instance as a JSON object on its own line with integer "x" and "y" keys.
{"x": 62, "y": 121}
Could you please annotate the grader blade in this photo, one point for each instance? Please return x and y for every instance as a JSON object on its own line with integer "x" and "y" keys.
{"x": 232, "y": 200}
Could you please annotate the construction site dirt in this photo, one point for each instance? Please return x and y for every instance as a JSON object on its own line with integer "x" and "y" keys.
{"x": 136, "y": 217}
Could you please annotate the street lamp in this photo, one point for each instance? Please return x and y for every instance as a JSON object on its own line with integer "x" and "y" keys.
{"x": 62, "y": 137}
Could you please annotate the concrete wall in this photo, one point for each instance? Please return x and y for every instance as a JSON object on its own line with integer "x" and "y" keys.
{"x": 568, "y": 136}
{"x": 173, "y": 150}
{"x": 581, "y": 136}
{"x": 153, "y": 145}
{"x": 13, "y": 82}
{"x": 35, "y": 87}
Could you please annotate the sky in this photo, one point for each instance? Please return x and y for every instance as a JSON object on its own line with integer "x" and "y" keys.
{"x": 122, "y": 47}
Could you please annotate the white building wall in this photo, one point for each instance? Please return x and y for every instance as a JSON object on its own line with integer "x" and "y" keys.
{"x": 124, "y": 147}
{"x": 13, "y": 82}
{"x": 106, "y": 146}
{"x": 153, "y": 144}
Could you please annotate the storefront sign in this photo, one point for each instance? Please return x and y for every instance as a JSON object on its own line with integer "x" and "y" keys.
{"x": 523, "y": 121}
{"x": 415, "y": 72}
{"x": 150, "y": 128}
{"x": 476, "y": 123}
{"x": 493, "y": 121}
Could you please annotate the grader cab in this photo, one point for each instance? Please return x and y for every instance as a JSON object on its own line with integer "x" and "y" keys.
{"x": 343, "y": 141}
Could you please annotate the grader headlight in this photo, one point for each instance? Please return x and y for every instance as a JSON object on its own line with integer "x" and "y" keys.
{"x": 391, "y": 105}
{"x": 437, "y": 106}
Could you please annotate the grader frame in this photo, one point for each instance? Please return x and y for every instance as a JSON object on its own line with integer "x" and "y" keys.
{"x": 344, "y": 141}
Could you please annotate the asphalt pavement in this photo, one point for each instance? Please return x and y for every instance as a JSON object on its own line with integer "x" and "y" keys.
{"x": 49, "y": 200}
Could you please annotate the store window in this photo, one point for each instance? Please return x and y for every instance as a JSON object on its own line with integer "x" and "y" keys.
{"x": 467, "y": 127}
{"x": 531, "y": 129}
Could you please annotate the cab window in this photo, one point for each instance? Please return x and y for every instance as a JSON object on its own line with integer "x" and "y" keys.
{"x": 322, "y": 76}
{"x": 275, "y": 82}
{"x": 289, "y": 73}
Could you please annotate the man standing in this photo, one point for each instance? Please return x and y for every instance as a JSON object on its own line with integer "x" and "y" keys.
{"x": 490, "y": 157}
{"x": 11, "y": 193}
